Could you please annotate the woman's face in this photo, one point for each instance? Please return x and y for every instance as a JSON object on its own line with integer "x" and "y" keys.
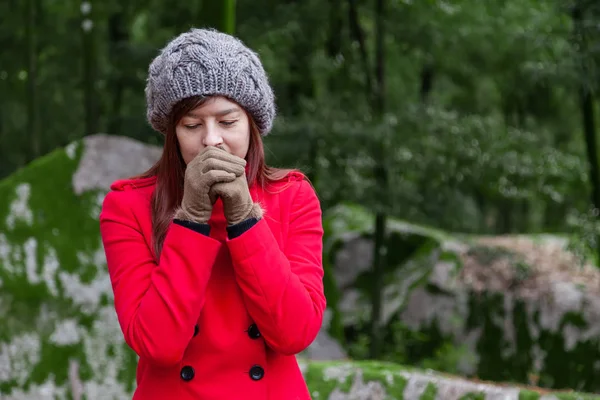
{"x": 217, "y": 122}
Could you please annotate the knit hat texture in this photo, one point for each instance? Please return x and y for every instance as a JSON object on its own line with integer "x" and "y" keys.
{"x": 205, "y": 62}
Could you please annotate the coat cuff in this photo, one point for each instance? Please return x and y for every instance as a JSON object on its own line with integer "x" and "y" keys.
{"x": 204, "y": 229}
{"x": 236, "y": 230}
{"x": 254, "y": 242}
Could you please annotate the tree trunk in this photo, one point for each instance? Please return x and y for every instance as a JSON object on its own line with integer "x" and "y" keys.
{"x": 587, "y": 112}
{"x": 334, "y": 40}
{"x": 504, "y": 220}
{"x": 219, "y": 15}
{"x": 118, "y": 37}
{"x": 32, "y": 93}
{"x": 357, "y": 34}
{"x": 427, "y": 75}
{"x": 379, "y": 263}
{"x": 586, "y": 101}
{"x": 301, "y": 86}
{"x": 87, "y": 32}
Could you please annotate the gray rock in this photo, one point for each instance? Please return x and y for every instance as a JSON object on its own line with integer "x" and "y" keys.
{"x": 324, "y": 347}
{"x": 107, "y": 158}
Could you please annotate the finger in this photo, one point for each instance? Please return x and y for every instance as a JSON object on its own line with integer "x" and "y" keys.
{"x": 208, "y": 153}
{"x": 213, "y": 163}
{"x": 213, "y": 194}
{"x": 216, "y": 176}
{"x": 222, "y": 190}
{"x": 219, "y": 154}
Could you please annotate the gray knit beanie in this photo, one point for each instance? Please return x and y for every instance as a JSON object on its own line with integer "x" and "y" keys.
{"x": 204, "y": 62}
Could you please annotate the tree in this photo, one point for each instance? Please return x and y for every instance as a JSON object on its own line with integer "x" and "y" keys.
{"x": 219, "y": 15}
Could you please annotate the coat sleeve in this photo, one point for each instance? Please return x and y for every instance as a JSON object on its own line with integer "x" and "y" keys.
{"x": 157, "y": 305}
{"x": 283, "y": 289}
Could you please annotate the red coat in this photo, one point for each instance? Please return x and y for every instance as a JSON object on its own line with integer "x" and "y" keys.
{"x": 218, "y": 318}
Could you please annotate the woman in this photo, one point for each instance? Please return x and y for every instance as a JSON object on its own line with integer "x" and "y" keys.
{"x": 214, "y": 258}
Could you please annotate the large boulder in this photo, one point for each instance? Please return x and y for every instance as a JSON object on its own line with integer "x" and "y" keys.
{"x": 59, "y": 331}
{"x": 515, "y": 308}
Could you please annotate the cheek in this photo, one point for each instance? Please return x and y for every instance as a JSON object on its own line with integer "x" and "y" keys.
{"x": 188, "y": 147}
{"x": 239, "y": 143}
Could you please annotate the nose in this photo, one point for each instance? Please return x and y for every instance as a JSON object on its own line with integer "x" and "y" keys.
{"x": 212, "y": 136}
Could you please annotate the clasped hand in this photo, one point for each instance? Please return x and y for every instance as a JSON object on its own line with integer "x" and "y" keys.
{"x": 212, "y": 174}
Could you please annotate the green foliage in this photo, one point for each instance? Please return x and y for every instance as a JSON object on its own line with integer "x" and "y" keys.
{"x": 481, "y": 132}
{"x": 584, "y": 241}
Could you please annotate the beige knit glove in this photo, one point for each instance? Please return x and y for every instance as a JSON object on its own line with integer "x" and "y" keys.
{"x": 211, "y": 166}
{"x": 237, "y": 202}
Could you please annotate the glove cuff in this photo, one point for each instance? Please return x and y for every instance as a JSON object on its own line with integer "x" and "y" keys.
{"x": 256, "y": 212}
{"x": 183, "y": 214}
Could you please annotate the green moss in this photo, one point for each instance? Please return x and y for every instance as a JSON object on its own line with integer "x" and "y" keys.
{"x": 395, "y": 389}
{"x": 565, "y": 369}
{"x": 528, "y": 395}
{"x": 127, "y": 370}
{"x": 60, "y": 222}
{"x": 386, "y": 373}
{"x": 430, "y": 392}
{"x": 56, "y": 359}
{"x": 575, "y": 396}
{"x": 485, "y": 309}
{"x": 391, "y": 376}
{"x": 319, "y": 385}
{"x": 522, "y": 359}
{"x": 473, "y": 396}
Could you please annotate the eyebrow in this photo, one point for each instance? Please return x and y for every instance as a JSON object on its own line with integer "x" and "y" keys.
{"x": 218, "y": 114}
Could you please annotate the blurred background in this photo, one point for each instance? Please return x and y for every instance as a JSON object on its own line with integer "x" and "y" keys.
{"x": 466, "y": 129}
{"x": 476, "y": 116}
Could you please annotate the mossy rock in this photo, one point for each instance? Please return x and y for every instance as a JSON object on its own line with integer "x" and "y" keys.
{"x": 515, "y": 308}
{"x": 59, "y": 329}
{"x": 368, "y": 380}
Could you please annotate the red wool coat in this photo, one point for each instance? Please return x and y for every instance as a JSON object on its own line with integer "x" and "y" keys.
{"x": 218, "y": 318}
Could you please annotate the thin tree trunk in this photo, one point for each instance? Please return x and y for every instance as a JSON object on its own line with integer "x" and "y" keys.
{"x": 426, "y": 78}
{"x": 220, "y": 15}
{"x": 427, "y": 75}
{"x": 334, "y": 40}
{"x": 504, "y": 220}
{"x": 358, "y": 35}
{"x": 381, "y": 175}
{"x": 117, "y": 38}
{"x": 32, "y": 93}
{"x": 589, "y": 127}
{"x": 586, "y": 101}
{"x": 301, "y": 86}
{"x": 87, "y": 33}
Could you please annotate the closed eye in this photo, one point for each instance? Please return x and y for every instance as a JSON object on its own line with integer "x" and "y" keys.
{"x": 228, "y": 123}
{"x": 192, "y": 126}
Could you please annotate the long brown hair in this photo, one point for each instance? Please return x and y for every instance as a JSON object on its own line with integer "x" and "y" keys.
{"x": 169, "y": 171}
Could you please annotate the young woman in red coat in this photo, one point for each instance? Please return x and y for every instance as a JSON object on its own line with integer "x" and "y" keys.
{"x": 214, "y": 258}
